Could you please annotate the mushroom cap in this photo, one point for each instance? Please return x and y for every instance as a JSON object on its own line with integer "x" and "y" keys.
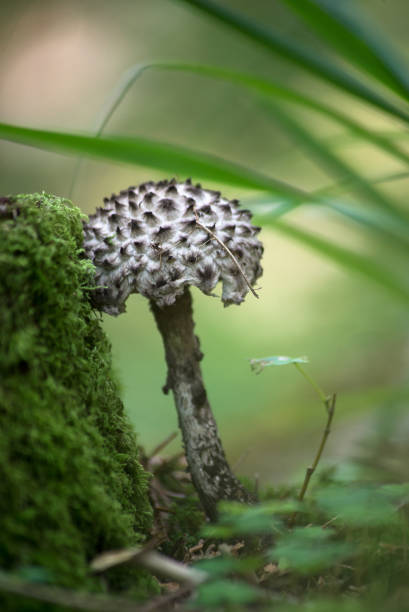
{"x": 152, "y": 240}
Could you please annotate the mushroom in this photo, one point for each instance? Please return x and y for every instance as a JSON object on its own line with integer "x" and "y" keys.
{"x": 158, "y": 239}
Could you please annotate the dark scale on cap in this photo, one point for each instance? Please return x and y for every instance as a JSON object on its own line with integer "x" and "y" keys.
{"x": 189, "y": 224}
{"x": 244, "y": 230}
{"x": 150, "y": 218}
{"x": 205, "y": 210}
{"x": 194, "y": 190}
{"x": 99, "y": 253}
{"x": 98, "y": 232}
{"x": 175, "y": 274}
{"x": 148, "y": 240}
{"x": 226, "y": 210}
{"x": 206, "y": 272}
{"x": 163, "y": 233}
{"x": 245, "y": 213}
{"x": 190, "y": 208}
{"x": 149, "y": 197}
{"x": 171, "y": 190}
{"x": 139, "y": 245}
{"x": 167, "y": 205}
{"x": 135, "y": 227}
{"x": 192, "y": 257}
{"x": 160, "y": 282}
{"x": 114, "y": 218}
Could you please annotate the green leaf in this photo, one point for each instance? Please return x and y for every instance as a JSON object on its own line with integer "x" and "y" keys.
{"x": 301, "y": 56}
{"x": 258, "y": 519}
{"x": 360, "y": 506}
{"x": 218, "y": 593}
{"x": 333, "y": 163}
{"x": 255, "y": 85}
{"x": 342, "y": 26}
{"x": 217, "y": 532}
{"x": 309, "y": 549}
{"x": 350, "y": 261}
{"x": 220, "y": 566}
{"x": 162, "y": 156}
{"x": 386, "y": 226}
{"x": 258, "y": 365}
{"x": 179, "y": 160}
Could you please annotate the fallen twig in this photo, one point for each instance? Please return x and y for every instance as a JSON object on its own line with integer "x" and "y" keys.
{"x": 153, "y": 561}
{"x": 228, "y": 251}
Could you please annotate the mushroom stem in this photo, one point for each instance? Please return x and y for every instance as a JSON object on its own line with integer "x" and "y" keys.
{"x": 211, "y": 474}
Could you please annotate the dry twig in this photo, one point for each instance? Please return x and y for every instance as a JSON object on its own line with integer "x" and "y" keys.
{"x": 228, "y": 251}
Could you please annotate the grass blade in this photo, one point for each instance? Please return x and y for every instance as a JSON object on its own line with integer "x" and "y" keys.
{"x": 162, "y": 156}
{"x": 332, "y": 162}
{"x": 345, "y": 258}
{"x": 351, "y": 34}
{"x": 387, "y": 228}
{"x": 177, "y": 159}
{"x": 298, "y": 55}
{"x": 269, "y": 89}
{"x": 117, "y": 95}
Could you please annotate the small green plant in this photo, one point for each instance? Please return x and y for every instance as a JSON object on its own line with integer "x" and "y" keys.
{"x": 328, "y": 402}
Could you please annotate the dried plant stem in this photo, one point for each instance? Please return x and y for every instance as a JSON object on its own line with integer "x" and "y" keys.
{"x": 228, "y": 251}
{"x": 154, "y": 562}
{"x": 163, "y": 444}
{"x": 209, "y": 469}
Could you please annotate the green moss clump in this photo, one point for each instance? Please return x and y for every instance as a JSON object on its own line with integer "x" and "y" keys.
{"x": 71, "y": 485}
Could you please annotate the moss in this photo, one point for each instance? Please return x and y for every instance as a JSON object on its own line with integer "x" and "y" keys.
{"x": 71, "y": 485}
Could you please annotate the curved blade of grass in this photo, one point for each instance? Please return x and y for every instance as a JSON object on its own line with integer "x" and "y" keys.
{"x": 385, "y": 227}
{"x": 177, "y": 159}
{"x": 350, "y": 261}
{"x": 271, "y": 89}
{"x": 333, "y": 163}
{"x": 148, "y": 153}
{"x": 299, "y": 55}
{"x": 352, "y": 35}
{"x": 117, "y": 95}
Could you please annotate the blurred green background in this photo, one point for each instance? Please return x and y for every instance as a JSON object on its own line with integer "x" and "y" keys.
{"x": 58, "y": 65}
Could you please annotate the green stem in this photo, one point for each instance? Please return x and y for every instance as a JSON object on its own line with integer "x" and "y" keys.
{"x": 324, "y": 398}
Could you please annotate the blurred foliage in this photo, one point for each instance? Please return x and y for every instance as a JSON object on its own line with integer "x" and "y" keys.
{"x": 301, "y": 110}
{"x": 350, "y": 539}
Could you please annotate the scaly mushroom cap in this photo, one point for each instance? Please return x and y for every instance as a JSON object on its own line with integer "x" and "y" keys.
{"x": 147, "y": 240}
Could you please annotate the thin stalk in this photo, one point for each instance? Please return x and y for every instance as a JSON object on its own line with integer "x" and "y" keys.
{"x": 310, "y": 470}
{"x": 329, "y": 404}
{"x": 209, "y": 469}
{"x": 314, "y": 384}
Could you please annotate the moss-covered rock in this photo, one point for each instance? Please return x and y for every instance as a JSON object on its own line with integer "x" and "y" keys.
{"x": 71, "y": 485}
